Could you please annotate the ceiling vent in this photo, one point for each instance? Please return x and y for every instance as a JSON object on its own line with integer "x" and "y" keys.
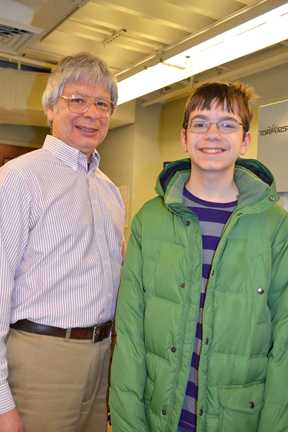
{"x": 13, "y": 38}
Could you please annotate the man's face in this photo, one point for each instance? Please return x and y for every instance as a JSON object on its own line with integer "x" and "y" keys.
{"x": 213, "y": 151}
{"x": 83, "y": 131}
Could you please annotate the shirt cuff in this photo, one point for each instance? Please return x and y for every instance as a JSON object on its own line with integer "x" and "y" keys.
{"x": 6, "y": 400}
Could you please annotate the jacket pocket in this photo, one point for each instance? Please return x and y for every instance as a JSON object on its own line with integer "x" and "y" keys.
{"x": 149, "y": 269}
{"x": 149, "y": 388}
{"x": 240, "y": 407}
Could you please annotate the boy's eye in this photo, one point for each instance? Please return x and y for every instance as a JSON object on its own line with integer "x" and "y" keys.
{"x": 199, "y": 125}
{"x": 227, "y": 125}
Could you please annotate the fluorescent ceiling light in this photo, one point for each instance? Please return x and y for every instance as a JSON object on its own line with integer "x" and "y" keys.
{"x": 256, "y": 34}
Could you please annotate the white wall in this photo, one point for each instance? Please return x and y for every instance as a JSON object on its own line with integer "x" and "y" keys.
{"x": 24, "y": 136}
{"x": 131, "y": 156}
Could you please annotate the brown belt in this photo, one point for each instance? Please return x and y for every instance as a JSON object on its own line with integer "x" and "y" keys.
{"x": 96, "y": 333}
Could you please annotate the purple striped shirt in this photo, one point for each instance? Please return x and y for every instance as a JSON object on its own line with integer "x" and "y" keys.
{"x": 212, "y": 218}
{"x": 61, "y": 238}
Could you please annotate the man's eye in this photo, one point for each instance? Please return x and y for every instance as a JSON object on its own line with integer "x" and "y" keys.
{"x": 103, "y": 104}
{"x": 77, "y": 101}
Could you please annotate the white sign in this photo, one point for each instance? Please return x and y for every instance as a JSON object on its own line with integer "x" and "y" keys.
{"x": 273, "y": 141}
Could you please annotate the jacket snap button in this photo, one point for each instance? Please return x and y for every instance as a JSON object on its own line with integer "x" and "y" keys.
{"x": 260, "y": 291}
{"x": 163, "y": 412}
{"x": 200, "y": 412}
{"x": 173, "y": 349}
{"x": 144, "y": 289}
{"x": 182, "y": 285}
{"x": 206, "y": 342}
{"x": 272, "y": 198}
{"x": 187, "y": 223}
{"x": 251, "y": 405}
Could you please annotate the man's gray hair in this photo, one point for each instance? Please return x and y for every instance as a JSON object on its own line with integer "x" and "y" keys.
{"x": 84, "y": 68}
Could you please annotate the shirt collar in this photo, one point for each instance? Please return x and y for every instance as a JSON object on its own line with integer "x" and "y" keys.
{"x": 71, "y": 156}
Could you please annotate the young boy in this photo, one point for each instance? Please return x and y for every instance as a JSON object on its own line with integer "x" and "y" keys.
{"x": 202, "y": 316}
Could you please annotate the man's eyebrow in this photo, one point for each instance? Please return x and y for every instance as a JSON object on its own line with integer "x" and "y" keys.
{"x": 77, "y": 93}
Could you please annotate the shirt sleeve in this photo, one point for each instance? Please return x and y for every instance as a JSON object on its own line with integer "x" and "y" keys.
{"x": 15, "y": 211}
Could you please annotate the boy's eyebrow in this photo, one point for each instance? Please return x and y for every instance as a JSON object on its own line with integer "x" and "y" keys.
{"x": 205, "y": 117}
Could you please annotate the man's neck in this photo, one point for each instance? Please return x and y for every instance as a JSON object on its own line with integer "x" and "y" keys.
{"x": 214, "y": 187}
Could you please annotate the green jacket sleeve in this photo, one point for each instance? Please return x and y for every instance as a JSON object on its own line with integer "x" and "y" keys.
{"x": 274, "y": 414}
{"x": 128, "y": 374}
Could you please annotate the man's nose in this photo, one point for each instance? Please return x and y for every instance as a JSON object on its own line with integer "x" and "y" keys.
{"x": 92, "y": 111}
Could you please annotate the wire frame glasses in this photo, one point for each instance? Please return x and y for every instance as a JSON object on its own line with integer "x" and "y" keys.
{"x": 79, "y": 104}
{"x": 223, "y": 126}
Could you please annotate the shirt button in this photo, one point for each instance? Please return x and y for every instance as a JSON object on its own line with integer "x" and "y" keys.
{"x": 95, "y": 202}
{"x": 100, "y": 232}
{"x": 182, "y": 285}
{"x": 200, "y": 412}
{"x": 163, "y": 412}
{"x": 107, "y": 263}
{"x": 206, "y": 341}
{"x": 187, "y": 223}
{"x": 144, "y": 289}
{"x": 173, "y": 350}
{"x": 109, "y": 294}
{"x": 251, "y": 405}
{"x": 260, "y": 291}
{"x": 272, "y": 198}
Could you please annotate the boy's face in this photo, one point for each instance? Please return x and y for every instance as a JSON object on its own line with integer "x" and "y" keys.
{"x": 213, "y": 151}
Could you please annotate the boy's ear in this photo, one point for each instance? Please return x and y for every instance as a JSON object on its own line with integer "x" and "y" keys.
{"x": 184, "y": 140}
{"x": 245, "y": 144}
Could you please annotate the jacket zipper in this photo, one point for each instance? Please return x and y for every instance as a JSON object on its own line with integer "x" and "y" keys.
{"x": 193, "y": 234}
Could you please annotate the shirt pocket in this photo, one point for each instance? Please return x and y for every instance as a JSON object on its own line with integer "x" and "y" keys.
{"x": 240, "y": 407}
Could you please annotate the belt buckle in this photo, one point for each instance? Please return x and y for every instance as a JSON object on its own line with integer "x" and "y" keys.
{"x": 94, "y": 334}
{"x": 99, "y": 326}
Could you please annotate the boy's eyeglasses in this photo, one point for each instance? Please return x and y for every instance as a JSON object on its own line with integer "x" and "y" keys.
{"x": 223, "y": 126}
{"x": 78, "y": 104}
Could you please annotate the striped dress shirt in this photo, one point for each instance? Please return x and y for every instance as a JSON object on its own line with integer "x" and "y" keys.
{"x": 212, "y": 218}
{"x": 60, "y": 244}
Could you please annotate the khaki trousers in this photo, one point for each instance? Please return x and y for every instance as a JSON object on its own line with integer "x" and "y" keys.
{"x": 59, "y": 385}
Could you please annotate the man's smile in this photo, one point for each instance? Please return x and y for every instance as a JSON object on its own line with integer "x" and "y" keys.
{"x": 85, "y": 129}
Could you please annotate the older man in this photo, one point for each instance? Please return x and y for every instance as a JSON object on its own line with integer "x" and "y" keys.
{"x": 61, "y": 248}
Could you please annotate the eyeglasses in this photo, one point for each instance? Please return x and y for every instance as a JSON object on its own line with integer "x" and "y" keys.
{"x": 79, "y": 104}
{"x": 223, "y": 126}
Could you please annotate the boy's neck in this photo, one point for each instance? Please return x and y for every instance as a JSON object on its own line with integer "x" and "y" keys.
{"x": 213, "y": 187}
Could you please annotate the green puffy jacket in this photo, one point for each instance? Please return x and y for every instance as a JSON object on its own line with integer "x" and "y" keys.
{"x": 243, "y": 371}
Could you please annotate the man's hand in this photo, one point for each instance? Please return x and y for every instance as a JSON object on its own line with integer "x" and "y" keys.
{"x": 11, "y": 422}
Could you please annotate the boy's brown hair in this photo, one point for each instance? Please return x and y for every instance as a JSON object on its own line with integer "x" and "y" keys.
{"x": 234, "y": 97}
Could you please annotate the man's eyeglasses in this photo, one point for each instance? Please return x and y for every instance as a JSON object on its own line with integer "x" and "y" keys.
{"x": 223, "y": 126}
{"x": 78, "y": 104}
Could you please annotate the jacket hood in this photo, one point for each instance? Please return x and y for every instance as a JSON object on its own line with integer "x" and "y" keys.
{"x": 184, "y": 165}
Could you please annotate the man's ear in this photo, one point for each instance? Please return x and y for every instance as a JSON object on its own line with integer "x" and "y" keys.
{"x": 184, "y": 140}
{"x": 245, "y": 144}
{"x": 50, "y": 114}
